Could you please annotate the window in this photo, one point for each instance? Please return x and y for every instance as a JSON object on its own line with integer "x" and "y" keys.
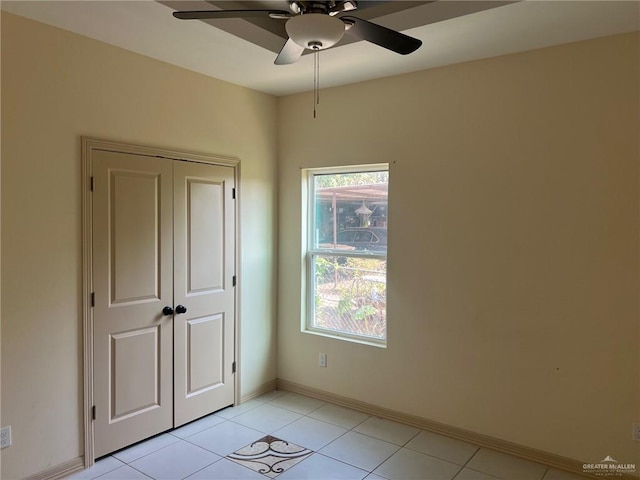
{"x": 346, "y": 260}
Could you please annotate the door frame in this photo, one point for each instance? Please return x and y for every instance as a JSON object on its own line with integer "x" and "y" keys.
{"x": 90, "y": 145}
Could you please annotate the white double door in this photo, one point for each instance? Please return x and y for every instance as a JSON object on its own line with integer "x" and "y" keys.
{"x": 164, "y": 309}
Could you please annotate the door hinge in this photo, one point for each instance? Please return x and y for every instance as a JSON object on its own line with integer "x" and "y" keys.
{"x": 91, "y": 184}
{"x": 233, "y": 193}
{"x": 93, "y": 299}
{"x": 93, "y": 412}
{"x": 234, "y": 280}
{"x": 233, "y": 367}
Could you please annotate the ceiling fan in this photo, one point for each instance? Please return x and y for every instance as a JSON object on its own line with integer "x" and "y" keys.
{"x": 316, "y": 25}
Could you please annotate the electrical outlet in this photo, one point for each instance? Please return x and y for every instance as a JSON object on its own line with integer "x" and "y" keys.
{"x": 322, "y": 360}
{"x": 5, "y": 437}
{"x": 636, "y": 432}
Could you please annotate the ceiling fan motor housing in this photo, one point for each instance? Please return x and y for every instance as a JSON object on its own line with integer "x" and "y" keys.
{"x": 315, "y": 30}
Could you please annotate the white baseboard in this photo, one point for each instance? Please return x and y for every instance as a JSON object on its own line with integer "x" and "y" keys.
{"x": 262, "y": 389}
{"x": 548, "y": 459}
{"x": 60, "y": 471}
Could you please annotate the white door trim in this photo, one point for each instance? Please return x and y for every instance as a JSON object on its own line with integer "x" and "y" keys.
{"x": 89, "y": 145}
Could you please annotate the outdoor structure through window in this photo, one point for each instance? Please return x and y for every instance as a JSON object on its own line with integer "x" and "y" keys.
{"x": 347, "y": 253}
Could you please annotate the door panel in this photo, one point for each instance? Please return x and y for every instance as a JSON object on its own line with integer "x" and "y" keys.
{"x": 205, "y": 236}
{"x": 204, "y": 226}
{"x": 205, "y": 341}
{"x": 133, "y": 206}
{"x": 134, "y": 374}
{"x": 133, "y": 280}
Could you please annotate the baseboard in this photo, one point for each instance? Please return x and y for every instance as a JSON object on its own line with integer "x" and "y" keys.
{"x": 549, "y": 459}
{"x": 267, "y": 387}
{"x": 60, "y": 471}
{"x": 77, "y": 464}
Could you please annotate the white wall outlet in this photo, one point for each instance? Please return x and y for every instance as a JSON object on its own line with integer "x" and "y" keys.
{"x": 636, "y": 432}
{"x": 5, "y": 437}
{"x": 322, "y": 360}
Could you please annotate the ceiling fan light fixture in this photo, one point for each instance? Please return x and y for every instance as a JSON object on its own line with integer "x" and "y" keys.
{"x": 315, "y": 30}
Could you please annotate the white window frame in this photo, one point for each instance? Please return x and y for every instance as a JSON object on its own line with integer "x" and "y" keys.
{"x": 309, "y": 223}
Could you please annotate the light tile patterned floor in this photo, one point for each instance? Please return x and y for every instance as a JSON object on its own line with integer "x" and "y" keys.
{"x": 292, "y": 437}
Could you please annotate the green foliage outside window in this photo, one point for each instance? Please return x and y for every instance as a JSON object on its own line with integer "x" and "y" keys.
{"x": 351, "y": 295}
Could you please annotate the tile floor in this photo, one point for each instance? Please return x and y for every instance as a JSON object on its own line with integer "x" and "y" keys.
{"x": 292, "y": 437}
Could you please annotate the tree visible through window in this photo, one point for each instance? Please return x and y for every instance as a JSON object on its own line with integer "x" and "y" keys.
{"x": 347, "y": 253}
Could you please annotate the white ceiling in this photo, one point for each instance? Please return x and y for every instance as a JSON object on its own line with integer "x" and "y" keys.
{"x": 147, "y": 27}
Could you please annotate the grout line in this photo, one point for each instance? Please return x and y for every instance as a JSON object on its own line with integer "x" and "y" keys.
{"x": 300, "y": 415}
{"x": 153, "y": 451}
{"x": 103, "y": 473}
{"x": 387, "y": 458}
{"x": 471, "y": 457}
{"x": 329, "y": 443}
{"x": 342, "y": 461}
{"x": 467, "y": 462}
{"x": 206, "y": 466}
{"x": 404, "y": 445}
{"x": 149, "y": 476}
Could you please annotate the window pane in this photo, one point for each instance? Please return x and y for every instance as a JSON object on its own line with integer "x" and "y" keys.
{"x": 350, "y": 295}
{"x": 351, "y": 211}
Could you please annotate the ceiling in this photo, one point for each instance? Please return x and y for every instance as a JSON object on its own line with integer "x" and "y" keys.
{"x": 242, "y": 52}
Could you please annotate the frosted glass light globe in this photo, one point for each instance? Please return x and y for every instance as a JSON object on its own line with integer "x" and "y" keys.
{"x": 315, "y": 30}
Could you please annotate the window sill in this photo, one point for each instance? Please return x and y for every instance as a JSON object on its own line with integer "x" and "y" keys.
{"x": 346, "y": 337}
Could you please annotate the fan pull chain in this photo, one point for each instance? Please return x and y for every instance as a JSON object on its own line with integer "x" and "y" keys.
{"x": 316, "y": 81}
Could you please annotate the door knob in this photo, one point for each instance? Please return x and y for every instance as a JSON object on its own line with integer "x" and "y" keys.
{"x": 181, "y": 309}
{"x": 167, "y": 311}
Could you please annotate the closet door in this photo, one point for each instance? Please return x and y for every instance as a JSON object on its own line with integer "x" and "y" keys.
{"x": 204, "y": 293}
{"x": 133, "y": 281}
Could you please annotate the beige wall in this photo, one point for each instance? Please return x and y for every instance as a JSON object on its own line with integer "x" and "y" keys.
{"x": 57, "y": 86}
{"x": 513, "y": 266}
{"x": 513, "y": 257}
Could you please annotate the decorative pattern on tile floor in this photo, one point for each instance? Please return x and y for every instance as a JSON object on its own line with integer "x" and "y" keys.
{"x": 270, "y": 456}
{"x": 320, "y": 441}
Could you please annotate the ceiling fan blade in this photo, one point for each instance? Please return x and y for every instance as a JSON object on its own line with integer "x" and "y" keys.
{"x": 383, "y": 36}
{"x": 215, "y": 14}
{"x": 290, "y": 53}
{"x": 343, "y": 6}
